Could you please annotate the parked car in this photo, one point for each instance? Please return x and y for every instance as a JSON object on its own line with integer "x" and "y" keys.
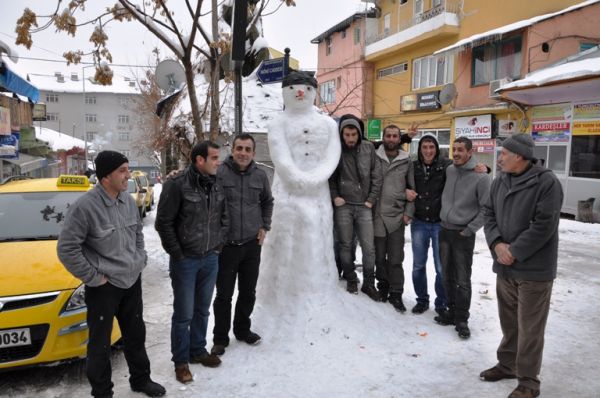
{"x": 42, "y": 306}
{"x": 144, "y": 182}
{"x": 138, "y": 193}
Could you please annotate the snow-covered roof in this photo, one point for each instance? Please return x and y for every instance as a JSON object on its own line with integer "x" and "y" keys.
{"x": 568, "y": 71}
{"x": 66, "y": 84}
{"x": 58, "y": 141}
{"x": 498, "y": 32}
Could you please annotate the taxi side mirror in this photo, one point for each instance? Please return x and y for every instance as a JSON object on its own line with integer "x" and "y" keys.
{"x": 143, "y": 190}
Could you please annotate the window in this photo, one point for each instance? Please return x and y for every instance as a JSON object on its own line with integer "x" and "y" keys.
{"x": 443, "y": 137}
{"x": 123, "y": 119}
{"x": 586, "y": 46}
{"x": 432, "y": 71}
{"x": 496, "y": 61}
{"x": 123, "y": 135}
{"x": 90, "y": 100}
{"x": 418, "y": 7}
{"x": 90, "y": 136}
{"x": 90, "y": 117}
{"x": 343, "y": 34}
{"x": 387, "y": 23}
{"x": 328, "y": 46}
{"x": 436, "y": 3}
{"x": 403, "y": 1}
{"x": 51, "y": 97}
{"x": 585, "y": 161}
{"x": 392, "y": 70}
{"x": 553, "y": 156}
{"x": 328, "y": 92}
{"x": 357, "y": 35}
{"x": 126, "y": 153}
{"x": 123, "y": 101}
{"x": 52, "y": 117}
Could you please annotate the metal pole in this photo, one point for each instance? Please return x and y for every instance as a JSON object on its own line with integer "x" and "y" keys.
{"x": 238, "y": 100}
{"x": 286, "y": 62}
{"x": 84, "y": 124}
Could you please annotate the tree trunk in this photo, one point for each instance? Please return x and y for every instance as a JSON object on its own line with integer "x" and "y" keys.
{"x": 189, "y": 79}
{"x": 215, "y": 69}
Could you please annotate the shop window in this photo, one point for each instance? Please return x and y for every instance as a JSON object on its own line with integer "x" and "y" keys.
{"x": 585, "y": 156}
{"x": 553, "y": 157}
{"x": 496, "y": 61}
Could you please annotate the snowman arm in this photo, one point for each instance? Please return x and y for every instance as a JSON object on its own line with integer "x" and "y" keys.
{"x": 282, "y": 159}
{"x": 333, "y": 153}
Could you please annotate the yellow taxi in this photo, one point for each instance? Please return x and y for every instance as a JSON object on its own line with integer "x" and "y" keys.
{"x": 144, "y": 182}
{"x": 42, "y": 306}
{"x": 138, "y": 193}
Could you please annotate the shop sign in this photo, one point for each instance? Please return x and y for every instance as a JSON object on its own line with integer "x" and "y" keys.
{"x": 428, "y": 101}
{"x": 484, "y": 146}
{"x": 39, "y": 113}
{"x": 473, "y": 127}
{"x": 9, "y": 146}
{"x": 586, "y": 119}
{"x": 408, "y": 102}
{"x": 4, "y": 121}
{"x": 551, "y": 123}
{"x": 506, "y": 127}
{"x": 374, "y": 129}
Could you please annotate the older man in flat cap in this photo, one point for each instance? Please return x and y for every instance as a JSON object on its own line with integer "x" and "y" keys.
{"x": 521, "y": 228}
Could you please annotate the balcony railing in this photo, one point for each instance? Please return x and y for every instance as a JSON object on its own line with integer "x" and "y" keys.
{"x": 446, "y": 7}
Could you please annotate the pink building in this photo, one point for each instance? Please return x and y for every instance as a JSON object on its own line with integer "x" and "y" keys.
{"x": 345, "y": 79}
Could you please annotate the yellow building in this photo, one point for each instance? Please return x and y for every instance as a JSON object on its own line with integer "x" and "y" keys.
{"x": 463, "y": 49}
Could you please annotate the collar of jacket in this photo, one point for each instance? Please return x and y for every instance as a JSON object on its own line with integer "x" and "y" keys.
{"x": 527, "y": 178}
{"x": 382, "y": 155}
{"x": 470, "y": 165}
{"x": 106, "y": 198}
{"x": 203, "y": 181}
{"x": 229, "y": 162}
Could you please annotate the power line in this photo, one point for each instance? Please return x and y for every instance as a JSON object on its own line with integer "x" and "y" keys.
{"x": 81, "y": 63}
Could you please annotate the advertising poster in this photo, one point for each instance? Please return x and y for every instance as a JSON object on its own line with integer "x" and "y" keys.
{"x": 4, "y": 121}
{"x": 586, "y": 119}
{"x": 551, "y": 123}
{"x": 474, "y": 127}
{"x": 9, "y": 146}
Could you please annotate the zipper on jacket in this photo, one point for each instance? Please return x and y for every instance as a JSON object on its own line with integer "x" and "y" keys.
{"x": 241, "y": 207}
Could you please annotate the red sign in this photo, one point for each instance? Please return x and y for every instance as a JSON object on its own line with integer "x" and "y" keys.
{"x": 550, "y": 126}
{"x": 484, "y": 146}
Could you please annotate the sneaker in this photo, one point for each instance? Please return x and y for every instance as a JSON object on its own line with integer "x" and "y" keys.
{"x": 183, "y": 374}
{"x": 217, "y": 349}
{"x": 150, "y": 388}
{"x": 444, "y": 318}
{"x": 420, "y": 308}
{"x": 252, "y": 338}
{"x": 370, "y": 291}
{"x": 495, "y": 374}
{"x": 463, "y": 330}
{"x": 524, "y": 392}
{"x": 384, "y": 291}
{"x": 206, "y": 359}
{"x": 396, "y": 300}
{"x": 352, "y": 287}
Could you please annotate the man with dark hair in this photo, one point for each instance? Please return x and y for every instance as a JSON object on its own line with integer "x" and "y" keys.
{"x": 192, "y": 222}
{"x": 102, "y": 244}
{"x": 392, "y": 213}
{"x": 250, "y": 205}
{"x": 464, "y": 195}
{"x": 521, "y": 228}
{"x": 355, "y": 187}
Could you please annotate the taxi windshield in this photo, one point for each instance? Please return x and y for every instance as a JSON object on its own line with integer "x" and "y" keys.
{"x": 34, "y": 215}
{"x": 131, "y": 186}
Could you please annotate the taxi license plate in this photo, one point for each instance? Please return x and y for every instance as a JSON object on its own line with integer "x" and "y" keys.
{"x": 14, "y": 337}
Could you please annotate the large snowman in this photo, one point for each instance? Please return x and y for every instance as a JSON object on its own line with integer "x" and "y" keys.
{"x": 297, "y": 258}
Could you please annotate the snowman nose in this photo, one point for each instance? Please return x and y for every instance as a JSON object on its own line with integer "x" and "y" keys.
{"x": 300, "y": 93}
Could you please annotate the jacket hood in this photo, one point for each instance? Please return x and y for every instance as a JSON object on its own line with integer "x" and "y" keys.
{"x": 429, "y": 137}
{"x": 381, "y": 153}
{"x": 352, "y": 120}
{"x": 534, "y": 171}
{"x": 470, "y": 165}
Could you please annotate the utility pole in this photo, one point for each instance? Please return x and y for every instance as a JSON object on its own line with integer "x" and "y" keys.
{"x": 238, "y": 53}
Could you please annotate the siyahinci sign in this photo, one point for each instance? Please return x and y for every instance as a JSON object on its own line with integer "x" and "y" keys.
{"x": 477, "y": 127}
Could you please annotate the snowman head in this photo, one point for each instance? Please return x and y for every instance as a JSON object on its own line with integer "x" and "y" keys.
{"x": 299, "y": 90}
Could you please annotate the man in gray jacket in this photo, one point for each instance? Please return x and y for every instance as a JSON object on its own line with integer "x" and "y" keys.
{"x": 102, "y": 244}
{"x": 392, "y": 213}
{"x": 464, "y": 195}
{"x": 521, "y": 229}
{"x": 355, "y": 187}
{"x": 250, "y": 206}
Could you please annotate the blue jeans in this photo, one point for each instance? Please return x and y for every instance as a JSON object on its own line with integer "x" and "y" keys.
{"x": 193, "y": 281}
{"x": 421, "y": 234}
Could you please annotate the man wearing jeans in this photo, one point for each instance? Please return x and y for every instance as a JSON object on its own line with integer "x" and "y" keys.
{"x": 355, "y": 187}
{"x": 464, "y": 195}
{"x": 192, "y": 221}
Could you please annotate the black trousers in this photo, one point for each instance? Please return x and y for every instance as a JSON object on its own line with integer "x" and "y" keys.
{"x": 239, "y": 263}
{"x": 456, "y": 255}
{"x": 103, "y": 304}
{"x": 389, "y": 255}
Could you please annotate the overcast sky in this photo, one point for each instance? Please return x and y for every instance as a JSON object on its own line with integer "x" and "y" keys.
{"x": 129, "y": 43}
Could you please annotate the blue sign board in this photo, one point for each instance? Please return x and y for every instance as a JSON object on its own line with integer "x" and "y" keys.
{"x": 9, "y": 146}
{"x": 271, "y": 70}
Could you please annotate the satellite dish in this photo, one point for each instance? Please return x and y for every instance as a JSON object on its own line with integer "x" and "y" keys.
{"x": 447, "y": 94}
{"x": 169, "y": 75}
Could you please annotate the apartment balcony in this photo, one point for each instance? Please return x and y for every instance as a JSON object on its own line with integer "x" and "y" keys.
{"x": 434, "y": 24}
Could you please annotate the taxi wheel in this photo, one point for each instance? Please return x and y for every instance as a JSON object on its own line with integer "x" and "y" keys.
{"x": 142, "y": 211}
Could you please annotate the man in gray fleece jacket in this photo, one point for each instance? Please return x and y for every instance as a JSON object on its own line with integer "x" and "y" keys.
{"x": 463, "y": 198}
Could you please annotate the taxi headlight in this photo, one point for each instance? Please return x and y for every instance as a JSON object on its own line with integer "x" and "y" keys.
{"x": 77, "y": 299}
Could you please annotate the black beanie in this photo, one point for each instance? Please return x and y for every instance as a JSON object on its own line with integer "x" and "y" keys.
{"x": 107, "y": 162}
{"x": 521, "y": 144}
{"x": 299, "y": 77}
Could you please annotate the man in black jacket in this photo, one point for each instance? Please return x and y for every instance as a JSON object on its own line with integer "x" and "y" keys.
{"x": 192, "y": 221}
{"x": 250, "y": 205}
{"x": 521, "y": 229}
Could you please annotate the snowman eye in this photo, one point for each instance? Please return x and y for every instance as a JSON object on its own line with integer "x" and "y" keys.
{"x": 291, "y": 87}
{"x": 308, "y": 88}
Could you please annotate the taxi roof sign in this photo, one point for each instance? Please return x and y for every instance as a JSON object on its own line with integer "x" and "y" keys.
{"x": 72, "y": 181}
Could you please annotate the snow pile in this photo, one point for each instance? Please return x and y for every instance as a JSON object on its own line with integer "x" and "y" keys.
{"x": 58, "y": 141}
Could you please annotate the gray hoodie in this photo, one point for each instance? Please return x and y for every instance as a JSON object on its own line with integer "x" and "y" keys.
{"x": 463, "y": 198}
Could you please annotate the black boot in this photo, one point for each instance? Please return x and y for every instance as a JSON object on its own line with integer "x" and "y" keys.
{"x": 396, "y": 301}
{"x": 384, "y": 290}
{"x": 352, "y": 286}
{"x": 370, "y": 290}
{"x": 444, "y": 317}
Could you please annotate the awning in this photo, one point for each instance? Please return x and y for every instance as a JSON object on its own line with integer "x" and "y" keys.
{"x": 10, "y": 81}
{"x": 28, "y": 163}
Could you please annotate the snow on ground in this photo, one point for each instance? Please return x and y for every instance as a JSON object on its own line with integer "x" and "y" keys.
{"x": 350, "y": 346}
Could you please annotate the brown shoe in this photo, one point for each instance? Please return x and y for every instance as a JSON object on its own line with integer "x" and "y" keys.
{"x": 183, "y": 374}
{"x": 206, "y": 359}
{"x": 495, "y": 374}
{"x": 524, "y": 392}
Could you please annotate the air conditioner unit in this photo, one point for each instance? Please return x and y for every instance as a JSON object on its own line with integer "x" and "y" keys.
{"x": 496, "y": 84}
